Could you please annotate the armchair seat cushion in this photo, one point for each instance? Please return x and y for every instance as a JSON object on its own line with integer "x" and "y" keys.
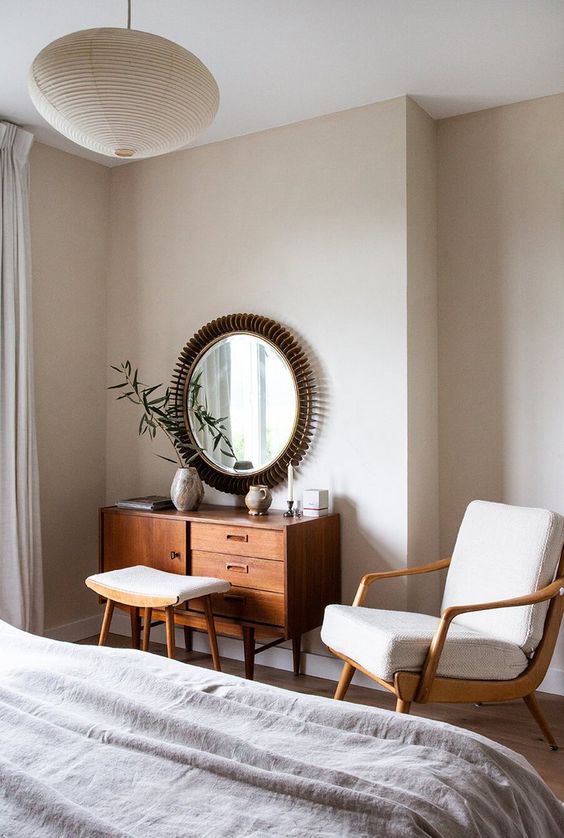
{"x": 385, "y": 642}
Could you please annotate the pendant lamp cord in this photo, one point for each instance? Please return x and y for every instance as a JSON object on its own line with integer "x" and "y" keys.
{"x": 129, "y": 14}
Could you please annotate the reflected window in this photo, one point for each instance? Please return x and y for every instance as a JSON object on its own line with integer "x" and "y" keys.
{"x": 242, "y": 403}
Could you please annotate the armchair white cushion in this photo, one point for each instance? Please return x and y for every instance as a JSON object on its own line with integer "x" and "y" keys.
{"x": 385, "y": 642}
{"x": 501, "y": 552}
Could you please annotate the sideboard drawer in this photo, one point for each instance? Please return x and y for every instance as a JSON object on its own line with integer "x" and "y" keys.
{"x": 238, "y": 541}
{"x": 244, "y": 571}
{"x": 248, "y": 604}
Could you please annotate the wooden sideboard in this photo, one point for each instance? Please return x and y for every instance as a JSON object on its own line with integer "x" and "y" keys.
{"x": 283, "y": 571}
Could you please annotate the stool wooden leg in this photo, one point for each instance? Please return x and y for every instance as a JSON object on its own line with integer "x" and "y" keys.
{"x": 170, "y": 646}
{"x": 135, "y": 627}
{"x": 211, "y": 633}
{"x": 147, "y": 628}
{"x": 107, "y": 619}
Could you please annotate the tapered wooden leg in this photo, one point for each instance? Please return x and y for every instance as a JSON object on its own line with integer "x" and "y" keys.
{"x": 297, "y": 653}
{"x": 170, "y": 645}
{"x": 106, "y": 620}
{"x": 249, "y": 647}
{"x": 188, "y": 633}
{"x": 135, "y": 627}
{"x": 344, "y": 681}
{"x": 147, "y": 628}
{"x": 533, "y": 705}
{"x": 211, "y": 633}
{"x": 402, "y": 706}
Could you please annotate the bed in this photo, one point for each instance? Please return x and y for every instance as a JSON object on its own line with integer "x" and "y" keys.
{"x": 112, "y": 742}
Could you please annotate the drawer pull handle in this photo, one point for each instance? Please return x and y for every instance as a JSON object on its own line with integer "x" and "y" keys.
{"x": 238, "y": 568}
{"x": 174, "y": 554}
{"x": 234, "y": 597}
{"x": 231, "y": 537}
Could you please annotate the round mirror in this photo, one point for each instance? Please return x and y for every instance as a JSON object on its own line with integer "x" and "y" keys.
{"x": 247, "y": 396}
{"x": 241, "y": 404}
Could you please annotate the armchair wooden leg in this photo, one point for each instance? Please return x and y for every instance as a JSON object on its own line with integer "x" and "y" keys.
{"x": 170, "y": 645}
{"x": 402, "y": 706}
{"x": 107, "y": 619}
{"x": 344, "y": 681}
{"x": 535, "y": 711}
{"x": 147, "y": 628}
{"x": 211, "y": 633}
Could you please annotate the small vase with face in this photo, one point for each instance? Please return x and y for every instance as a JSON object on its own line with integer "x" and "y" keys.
{"x": 187, "y": 490}
{"x": 258, "y": 500}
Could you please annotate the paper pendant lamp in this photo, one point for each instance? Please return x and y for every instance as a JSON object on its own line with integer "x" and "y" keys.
{"x": 122, "y": 92}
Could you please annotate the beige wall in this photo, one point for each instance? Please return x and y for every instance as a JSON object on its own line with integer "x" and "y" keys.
{"x": 328, "y": 226}
{"x": 69, "y": 218}
{"x": 305, "y": 224}
{"x": 422, "y": 360}
{"x": 501, "y": 234}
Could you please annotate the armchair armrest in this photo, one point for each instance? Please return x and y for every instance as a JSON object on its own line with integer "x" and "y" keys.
{"x": 555, "y": 588}
{"x": 429, "y": 670}
{"x": 369, "y": 578}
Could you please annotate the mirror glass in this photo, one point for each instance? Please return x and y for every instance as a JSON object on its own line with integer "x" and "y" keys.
{"x": 242, "y": 403}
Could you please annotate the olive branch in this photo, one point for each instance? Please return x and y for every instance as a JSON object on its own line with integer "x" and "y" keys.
{"x": 160, "y": 413}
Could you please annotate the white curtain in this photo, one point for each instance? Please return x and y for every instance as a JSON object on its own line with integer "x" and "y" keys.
{"x": 21, "y": 586}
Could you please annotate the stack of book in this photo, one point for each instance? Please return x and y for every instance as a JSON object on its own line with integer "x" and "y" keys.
{"x": 150, "y": 503}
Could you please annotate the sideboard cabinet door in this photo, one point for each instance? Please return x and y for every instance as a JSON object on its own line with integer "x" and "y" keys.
{"x": 129, "y": 540}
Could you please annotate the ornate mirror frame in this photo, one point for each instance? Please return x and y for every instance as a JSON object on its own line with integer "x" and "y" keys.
{"x": 306, "y": 413}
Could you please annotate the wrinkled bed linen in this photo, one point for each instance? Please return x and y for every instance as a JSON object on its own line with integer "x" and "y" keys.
{"x": 110, "y": 742}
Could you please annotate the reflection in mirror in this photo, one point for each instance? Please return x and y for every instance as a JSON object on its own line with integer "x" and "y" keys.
{"x": 242, "y": 403}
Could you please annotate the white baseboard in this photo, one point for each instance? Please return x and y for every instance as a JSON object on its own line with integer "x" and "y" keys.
{"x": 279, "y": 657}
{"x": 78, "y": 630}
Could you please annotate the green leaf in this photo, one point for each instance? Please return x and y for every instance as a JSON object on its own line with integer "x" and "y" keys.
{"x": 125, "y": 395}
{"x": 117, "y": 369}
{"x": 117, "y": 386}
{"x": 167, "y": 459}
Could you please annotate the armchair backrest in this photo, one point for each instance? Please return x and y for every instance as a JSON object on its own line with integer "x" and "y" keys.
{"x": 502, "y": 552}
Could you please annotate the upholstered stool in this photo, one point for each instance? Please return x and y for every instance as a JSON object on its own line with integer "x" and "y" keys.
{"x": 145, "y": 587}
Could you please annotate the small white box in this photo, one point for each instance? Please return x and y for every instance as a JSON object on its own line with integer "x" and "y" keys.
{"x": 315, "y": 513}
{"x": 315, "y": 502}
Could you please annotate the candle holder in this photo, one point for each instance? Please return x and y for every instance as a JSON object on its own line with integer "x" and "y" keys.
{"x": 290, "y": 512}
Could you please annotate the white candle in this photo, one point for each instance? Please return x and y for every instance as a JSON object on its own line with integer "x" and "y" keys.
{"x": 290, "y": 482}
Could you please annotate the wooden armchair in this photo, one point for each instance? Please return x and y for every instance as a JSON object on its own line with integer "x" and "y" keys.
{"x": 476, "y": 651}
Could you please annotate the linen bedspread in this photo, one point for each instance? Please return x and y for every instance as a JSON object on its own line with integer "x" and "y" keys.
{"x": 109, "y": 742}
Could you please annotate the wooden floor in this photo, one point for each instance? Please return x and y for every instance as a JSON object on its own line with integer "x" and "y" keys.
{"x": 508, "y": 723}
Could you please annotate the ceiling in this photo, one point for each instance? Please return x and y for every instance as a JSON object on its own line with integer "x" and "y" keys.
{"x": 281, "y": 61}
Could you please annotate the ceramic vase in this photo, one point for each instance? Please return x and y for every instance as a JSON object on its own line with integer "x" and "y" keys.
{"x": 258, "y": 500}
{"x": 187, "y": 490}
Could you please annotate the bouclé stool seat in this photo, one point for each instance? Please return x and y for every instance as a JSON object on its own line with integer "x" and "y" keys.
{"x": 148, "y": 588}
